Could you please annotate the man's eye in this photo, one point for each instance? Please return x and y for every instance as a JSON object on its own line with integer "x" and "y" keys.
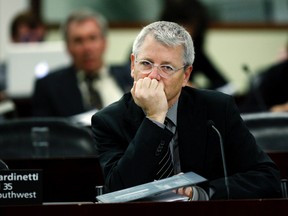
{"x": 167, "y": 68}
{"x": 145, "y": 63}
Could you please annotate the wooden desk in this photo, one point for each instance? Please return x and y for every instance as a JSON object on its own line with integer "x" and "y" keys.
{"x": 281, "y": 159}
{"x": 232, "y": 207}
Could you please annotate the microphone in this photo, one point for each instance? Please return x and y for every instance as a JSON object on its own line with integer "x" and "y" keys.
{"x": 253, "y": 86}
{"x": 211, "y": 124}
{"x": 3, "y": 165}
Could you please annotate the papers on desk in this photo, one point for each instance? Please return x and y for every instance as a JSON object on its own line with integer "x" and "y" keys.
{"x": 160, "y": 190}
{"x": 168, "y": 196}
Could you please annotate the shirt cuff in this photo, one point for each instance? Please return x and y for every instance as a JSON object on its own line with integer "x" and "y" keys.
{"x": 199, "y": 194}
{"x": 157, "y": 123}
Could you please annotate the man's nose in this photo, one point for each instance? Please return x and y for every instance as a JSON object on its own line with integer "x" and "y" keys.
{"x": 154, "y": 73}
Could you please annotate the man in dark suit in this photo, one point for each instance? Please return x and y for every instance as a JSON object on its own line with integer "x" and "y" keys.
{"x": 269, "y": 90}
{"x": 132, "y": 139}
{"x": 88, "y": 83}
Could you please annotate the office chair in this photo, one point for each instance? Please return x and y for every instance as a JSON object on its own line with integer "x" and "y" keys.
{"x": 269, "y": 129}
{"x": 44, "y": 137}
{"x": 271, "y": 133}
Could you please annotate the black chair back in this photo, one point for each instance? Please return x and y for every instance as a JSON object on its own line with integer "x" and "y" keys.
{"x": 269, "y": 129}
{"x": 44, "y": 137}
{"x": 66, "y": 154}
{"x": 271, "y": 133}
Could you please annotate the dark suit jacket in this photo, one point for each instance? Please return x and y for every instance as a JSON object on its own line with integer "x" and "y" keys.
{"x": 268, "y": 89}
{"x": 58, "y": 94}
{"x": 127, "y": 144}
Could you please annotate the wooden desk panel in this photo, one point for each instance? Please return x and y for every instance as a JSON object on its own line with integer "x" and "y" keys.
{"x": 232, "y": 207}
{"x": 281, "y": 159}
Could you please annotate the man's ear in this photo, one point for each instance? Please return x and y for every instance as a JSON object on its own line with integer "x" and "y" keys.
{"x": 132, "y": 60}
{"x": 187, "y": 74}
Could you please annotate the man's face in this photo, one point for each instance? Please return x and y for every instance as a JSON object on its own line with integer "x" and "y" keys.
{"x": 26, "y": 34}
{"x": 158, "y": 54}
{"x": 86, "y": 45}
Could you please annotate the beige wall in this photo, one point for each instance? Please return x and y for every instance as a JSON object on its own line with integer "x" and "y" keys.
{"x": 257, "y": 48}
{"x": 228, "y": 49}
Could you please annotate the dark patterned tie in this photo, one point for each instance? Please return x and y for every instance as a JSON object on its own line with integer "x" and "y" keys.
{"x": 165, "y": 166}
{"x": 95, "y": 99}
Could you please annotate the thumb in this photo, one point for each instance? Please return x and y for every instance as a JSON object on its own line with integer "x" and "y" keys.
{"x": 133, "y": 88}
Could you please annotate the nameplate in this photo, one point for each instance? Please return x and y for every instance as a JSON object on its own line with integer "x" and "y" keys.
{"x": 20, "y": 187}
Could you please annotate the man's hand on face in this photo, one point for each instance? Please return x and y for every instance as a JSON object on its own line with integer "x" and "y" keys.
{"x": 150, "y": 96}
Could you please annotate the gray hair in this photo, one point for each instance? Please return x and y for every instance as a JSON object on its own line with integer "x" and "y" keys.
{"x": 170, "y": 34}
{"x": 85, "y": 14}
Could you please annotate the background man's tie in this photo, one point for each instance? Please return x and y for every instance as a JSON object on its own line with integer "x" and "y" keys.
{"x": 95, "y": 99}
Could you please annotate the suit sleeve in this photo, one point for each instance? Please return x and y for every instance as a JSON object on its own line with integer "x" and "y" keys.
{"x": 40, "y": 102}
{"x": 251, "y": 173}
{"x": 127, "y": 161}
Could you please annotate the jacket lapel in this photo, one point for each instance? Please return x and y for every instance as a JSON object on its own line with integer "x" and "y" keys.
{"x": 192, "y": 130}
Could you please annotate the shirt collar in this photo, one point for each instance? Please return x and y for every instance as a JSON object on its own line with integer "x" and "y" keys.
{"x": 103, "y": 72}
{"x": 172, "y": 113}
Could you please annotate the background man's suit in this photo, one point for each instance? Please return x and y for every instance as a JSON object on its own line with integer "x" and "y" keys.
{"x": 58, "y": 93}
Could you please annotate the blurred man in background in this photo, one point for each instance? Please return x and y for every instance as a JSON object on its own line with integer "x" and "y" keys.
{"x": 88, "y": 83}
{"x": 193, "y": 16}
{"x": 268, "y": 91}
{"x": 25, "y": 27}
